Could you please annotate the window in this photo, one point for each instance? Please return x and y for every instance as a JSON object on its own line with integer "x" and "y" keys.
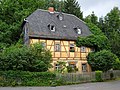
{"x": 84, "y": 67}
{"x": 60, "y": 17}
{"x": 57, "y": 47}
{"x": 51, "y": 27}
{"x": 83, "y": 49}
{"x": 57, "y": 67}
{"x": 43, "y": 44}
{"x": 92, "y": 49}
{"x": 78, "y": 30}
{"x": 72, "y": 48}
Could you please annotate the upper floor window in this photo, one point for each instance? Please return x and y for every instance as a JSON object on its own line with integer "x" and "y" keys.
{"x": 51, "y": 27}
{"x": 78, "y": 30}
{"x": 57, "y": 47}
{"x": 92, "y": 49}
{"x": 72, "y": 48}
{"x": 60, "y": 16}
{"x": 83, "y": 49}
{"x": 43, "y": 44}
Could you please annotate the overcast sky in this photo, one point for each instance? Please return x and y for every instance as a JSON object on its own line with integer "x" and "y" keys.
{"x": 100, "y": 7}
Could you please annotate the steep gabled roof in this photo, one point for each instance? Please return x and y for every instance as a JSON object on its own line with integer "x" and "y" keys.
{"x": 39, "y": 20}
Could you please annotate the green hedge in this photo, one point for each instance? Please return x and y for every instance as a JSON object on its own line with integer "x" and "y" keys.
{"x": 98, "y": 76}
{"x": 23, "y": 78}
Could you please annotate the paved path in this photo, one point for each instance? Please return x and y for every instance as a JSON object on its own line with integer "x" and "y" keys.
{"x": 114, "y": 85}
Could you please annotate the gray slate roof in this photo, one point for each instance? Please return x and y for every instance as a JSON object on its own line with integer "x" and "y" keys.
{"x": 40, "y": 19}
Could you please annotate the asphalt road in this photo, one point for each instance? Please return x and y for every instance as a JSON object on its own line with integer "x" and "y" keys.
{"x": 113, "y": 85}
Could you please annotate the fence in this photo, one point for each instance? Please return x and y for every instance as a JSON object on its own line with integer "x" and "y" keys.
{"x": 86, "y": 77}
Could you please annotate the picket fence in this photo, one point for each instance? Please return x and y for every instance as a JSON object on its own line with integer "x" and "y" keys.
{"x": 86, "y": 77}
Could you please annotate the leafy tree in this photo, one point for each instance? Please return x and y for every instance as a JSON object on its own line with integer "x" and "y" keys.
{"x": 103, "y": 60}
{"x": 97, "y": 40}
{"x": 92, "y": 18}
{"x": 12, "y": 14}
{"x": 116, "y": 65}
{"x": 112, "y": 29}
{"x": 34, "y": 58}
{"x": 72, "y": 7}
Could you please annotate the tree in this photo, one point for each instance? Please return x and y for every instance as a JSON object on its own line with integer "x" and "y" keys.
{"x": 97, "y": 40}
{"x": 12, "y": 14}
{"x": 92, "y": 19}
{"x": 103, "y": 60}
{"x": 112, "y": 29}
{"x": 34, "y": 58}
{"x": 72, "y": 7}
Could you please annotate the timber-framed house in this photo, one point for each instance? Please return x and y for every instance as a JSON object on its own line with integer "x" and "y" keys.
{"x": 58, "y": 32}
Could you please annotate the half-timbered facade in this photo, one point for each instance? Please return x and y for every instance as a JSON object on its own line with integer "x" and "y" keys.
{"x": 58, "y": 32}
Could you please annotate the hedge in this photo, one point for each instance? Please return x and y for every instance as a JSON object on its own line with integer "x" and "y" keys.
{"x": 26, "y": 78}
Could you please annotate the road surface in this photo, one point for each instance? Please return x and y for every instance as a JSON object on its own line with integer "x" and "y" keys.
{"x": 112, "y": 85}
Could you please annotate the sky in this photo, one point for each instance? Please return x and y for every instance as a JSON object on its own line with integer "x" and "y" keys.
{"x": 100, "y": 7}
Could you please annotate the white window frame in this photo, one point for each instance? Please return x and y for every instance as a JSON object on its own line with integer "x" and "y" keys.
{"x": 52, "y": 28}
{"x": 72, "y": 46}
{"x": 83, "y": 49}
{"x": 79, "y": 31}
{"x": 57, "y": 47}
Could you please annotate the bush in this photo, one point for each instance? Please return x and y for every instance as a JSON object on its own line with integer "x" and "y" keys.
{"x": 98, "y": 76}
{"x": 103, "y": 60}
{"x": 34, "y": 58}
{"x": 23, "y": 78}
{"x": 116, "y": 65}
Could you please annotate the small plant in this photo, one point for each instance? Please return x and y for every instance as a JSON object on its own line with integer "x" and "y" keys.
{"x": 98, "y": 76}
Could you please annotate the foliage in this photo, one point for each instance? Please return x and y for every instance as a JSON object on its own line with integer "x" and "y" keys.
{"x": 110, "y": 25}
{"x": 92, "y": 18}
{"x": 72, "y": 7}
{"x": 34, "y": 58}
{"x": 116, "y": 65}
{"x": 103, "y": 60}
{"x": 98, "y": 76}
{"x": 71, "y": 69}
{"x": 62, "y": 66}
{"x": 97, "y": 40}
{"x": 23, "y": 78}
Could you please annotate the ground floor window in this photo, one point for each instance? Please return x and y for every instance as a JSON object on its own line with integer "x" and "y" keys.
{"x": 57, "y": 67}
{"x": 84, "y": 67}
{"x": 72, "y": 67}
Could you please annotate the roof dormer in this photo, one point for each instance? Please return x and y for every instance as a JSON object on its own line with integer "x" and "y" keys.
{"x": 60, "y": 16}
{"x": 78, "y": 30}
{"x": 52, "y": 27}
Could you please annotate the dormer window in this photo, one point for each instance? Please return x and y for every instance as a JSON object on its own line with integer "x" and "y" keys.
{"x": 51, "y": 27}
{"x": 78, "y": 30}
{"x": 60, "y": 16}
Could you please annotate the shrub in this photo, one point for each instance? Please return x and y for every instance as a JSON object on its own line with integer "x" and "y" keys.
{"x": 98, "y": 76}
{"x": 116, "y": 65}
{"x": 103, "y": 60}
{"x": 34, "y": 58}
{"x": 23, "y": 78}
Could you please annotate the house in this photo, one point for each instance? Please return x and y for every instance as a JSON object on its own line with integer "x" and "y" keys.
{"x": 58, "y": 32}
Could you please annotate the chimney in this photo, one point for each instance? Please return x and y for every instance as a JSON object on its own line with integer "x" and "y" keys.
{"x": 51, "y": 9}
